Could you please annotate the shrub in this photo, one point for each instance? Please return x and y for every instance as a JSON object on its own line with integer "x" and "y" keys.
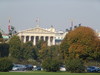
{"x": 5, "y": 64}
{"x": 50, "y": 65}
{"x": 75, "y": 65}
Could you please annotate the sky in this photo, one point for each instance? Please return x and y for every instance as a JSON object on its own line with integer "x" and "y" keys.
{"x": 58, "y": 13}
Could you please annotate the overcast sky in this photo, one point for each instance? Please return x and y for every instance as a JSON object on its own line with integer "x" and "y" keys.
{"x": 58, "y": 13}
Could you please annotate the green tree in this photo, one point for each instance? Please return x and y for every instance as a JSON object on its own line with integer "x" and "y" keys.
{"x": 39, "y": 44}
{"x": 5, "y": 64}
{"x": 43, "y": 50}
{"x": 75, "y": 65}
{"x": 64, "y": 48}
{"x": 50, "y": 58}
{"x": 0, "y": 35}
{"x": 50, "y": 65}
{"x": 29, "y": 51}
{"x": 1, "y": 38}
{"x": 48, "y": 51}
{"x": 4, "y": 49}
{"x": 12, "y": 31}
{"x": 54, "y": 52}
{"x": 15, "y": 47}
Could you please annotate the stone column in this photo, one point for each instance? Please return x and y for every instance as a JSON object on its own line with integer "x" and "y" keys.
{"x": 34, "y": 41}
{"x": 29, "y": 38}
{"x": 49, "y": 41}
{"x": 24, "y": 38}
{"x": 53, "y": 40}
{"x": 39, "y": 38}
{"x": 44, "y": 38}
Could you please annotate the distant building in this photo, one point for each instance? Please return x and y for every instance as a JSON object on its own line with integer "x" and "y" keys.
{"x": 59, "y": 36}
{"x": 99, "y": 35}
{"x": 50, "y": 35}
{"x": 5, "y": 36}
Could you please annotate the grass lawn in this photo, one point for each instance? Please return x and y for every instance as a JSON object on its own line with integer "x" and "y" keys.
{"x": 45, "y": 73}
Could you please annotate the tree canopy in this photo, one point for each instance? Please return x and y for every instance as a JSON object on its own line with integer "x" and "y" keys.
{"x": 80, "y": 42}
{"x": 0, "y": 35}
{"x": 15, "y": 47}
{"x": 28, "y": 51}
{"x": 4, "y": 49}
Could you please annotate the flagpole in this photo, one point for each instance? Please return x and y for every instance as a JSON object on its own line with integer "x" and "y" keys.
{"x": 9, "y": 25}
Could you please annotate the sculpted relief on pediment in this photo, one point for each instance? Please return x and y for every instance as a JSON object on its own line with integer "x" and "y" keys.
{"x": 38, "y": 30}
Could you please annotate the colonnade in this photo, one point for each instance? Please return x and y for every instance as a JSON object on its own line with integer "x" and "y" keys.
{"x": 50, "y": 39}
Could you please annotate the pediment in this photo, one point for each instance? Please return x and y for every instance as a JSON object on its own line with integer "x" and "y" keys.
{"x": 36, "y": 30}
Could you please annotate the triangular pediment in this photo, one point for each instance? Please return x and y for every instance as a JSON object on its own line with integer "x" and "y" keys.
{"x": 37, "y": 30}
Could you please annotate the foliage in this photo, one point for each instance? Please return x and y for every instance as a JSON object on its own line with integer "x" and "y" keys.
{"x": 0, "y": 35}
{"x": 64, "y": 48}
{"x": 50, "y": 65}
{"x": 50, "y": 56}
{"x": 12, "y": 31}
{"x": 1, "y": 38}
{"x": 81, "y": 43}
{"x": 42, "y": 50}
{"x": 92, "y": 63}
{"x": 15, "y": 47}
{"x": 39, "y": 44}
{"x": 96, "y": 51}
{"x": 75, "y": 65}
{"x": 5, "y": 64}
{"x": 4, "y": 49}
{"x": 49, "y": 52}
{"x": 28, "y": 51}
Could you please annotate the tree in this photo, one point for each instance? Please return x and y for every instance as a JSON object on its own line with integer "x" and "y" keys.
{"x": 64, "y": 48}
{"x": 15, "y": 47}
{"x": 12, "y": 31}
{"x": 48, "y": 51}
{"x": 1, "y": 38}
{"x": 79, "y": 43}
{"x": 43, "y": 50}
{"x": 39, "y": 44}
{"x": 50, "y": 58}
{"x": 5, "y": 64}
{"x": 0, "y": 35}
{"x": 29, "y": 51}
{"x": 96, "y": 51}
{"x": 50, "y": 65}
{"x": 4, "y": 49}
{"x": 75, "y": 65}
{"x": 54, "y": 52}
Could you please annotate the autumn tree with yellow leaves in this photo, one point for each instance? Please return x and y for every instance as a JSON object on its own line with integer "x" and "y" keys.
{"x": 81, "y": 42}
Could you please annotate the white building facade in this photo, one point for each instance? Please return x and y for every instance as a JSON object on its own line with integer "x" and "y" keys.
{"x": 35, "y": 34}
{"x": 99, "y": 35}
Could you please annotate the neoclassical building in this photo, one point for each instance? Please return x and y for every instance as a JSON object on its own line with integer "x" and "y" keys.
{"x": 99, "y": 35}
{"x": 35, "y": 34}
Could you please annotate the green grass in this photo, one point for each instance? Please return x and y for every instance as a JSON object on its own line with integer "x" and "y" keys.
{"x": 45, "y": 73}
